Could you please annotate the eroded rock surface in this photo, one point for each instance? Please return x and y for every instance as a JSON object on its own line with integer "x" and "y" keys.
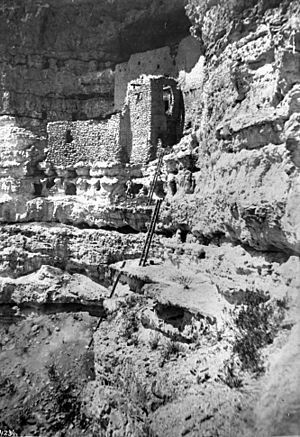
{"x": 25, "y": 248}
{"x": 247, "y": 186}
{"x": 204, "y": 340}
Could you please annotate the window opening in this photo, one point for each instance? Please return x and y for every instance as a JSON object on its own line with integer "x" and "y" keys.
{"x": 168, "y": 99}
{"x": 69, "y": 137}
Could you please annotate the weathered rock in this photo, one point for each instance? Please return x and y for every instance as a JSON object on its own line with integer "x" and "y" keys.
{"x": 247, "y": 186}
{"x": 161, "y": 355}
{"x": 25, "y": 248}
{"x": 80, "y": 212}
{"x": 51, "y": 286}
{"x": 57, "y": 58}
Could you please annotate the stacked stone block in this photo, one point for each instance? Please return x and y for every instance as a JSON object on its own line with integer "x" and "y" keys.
{"x": 139, "y": 107}
{"x": 85, "y": 142}
{"x": 130, "y": 136}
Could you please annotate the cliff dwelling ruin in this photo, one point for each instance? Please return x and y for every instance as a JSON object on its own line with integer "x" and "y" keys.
{"x": 149, "y": 218}
{"x": 152, "y": 112}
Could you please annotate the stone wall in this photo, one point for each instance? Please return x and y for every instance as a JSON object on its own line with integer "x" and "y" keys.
{"x": 153, "y": 62}
{"x": 149, "y": 121}
{"x": 57, "y": 57}
{"x": 176, "y": 60}
{"x": 72, "y": 143}
{"x": 139, "y": 108}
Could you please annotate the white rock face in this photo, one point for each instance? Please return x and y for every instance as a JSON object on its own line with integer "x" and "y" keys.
{"x": 166, "y": 358}
{"x": 50, "y": 285}
{"x": 24, "y": 248}
{"x": 20, "y": 151}
{"x": 247, "y": 128}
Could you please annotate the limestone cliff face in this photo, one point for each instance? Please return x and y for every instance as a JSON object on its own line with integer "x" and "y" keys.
{"x": 166, "y": 361}
{"x": 57, "y": 62}
{"x": 247, "y": 125}
{"x": 242, "y": 106}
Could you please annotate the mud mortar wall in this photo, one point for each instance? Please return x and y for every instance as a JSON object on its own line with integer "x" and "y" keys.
{"x": 145, "y": 108}
{"x": 139, "y": 109}
{"x": 59, "y": 56}
{"x": 177, "y": 60}
{"x": 154, "y": 62}
{"x": 71, "y": 143}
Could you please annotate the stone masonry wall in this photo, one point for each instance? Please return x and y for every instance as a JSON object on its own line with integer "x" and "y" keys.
{"x": 139, "y": 107}
{"x": 20, "y": 151}
{"x": 148, "y": 119}
{"x": 57, "y": 61}
{"x": 152, "y": 62}
{"x": 175, "y": 61}
{"x": 158, "y": 119}
{"x": 57, "y": 57}
{"x": 71, "y": 143}
{"x": 130, "y": 136}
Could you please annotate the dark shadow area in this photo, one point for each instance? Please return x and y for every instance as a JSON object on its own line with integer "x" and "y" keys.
{"x": 151, "y": 33}
{"x": 8, "y": 316}
{"x": 70, "y": 189}
{"x": 37, "y": 187}
{"x": 272, "y": 255}
{"x": 171, "y": 314}
{"x": 50, "y": 183}
{"x": 126, "y": 135}
{"x": 175, "y": 118}
{"x": 69, "y": 137}
{"x": 123, "y": 230}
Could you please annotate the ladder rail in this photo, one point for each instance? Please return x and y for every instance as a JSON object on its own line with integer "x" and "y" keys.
{"x": 110, "y": 296}
{"x": 153, "y": 183}
{"x": 152, "y": 231}
{"x": 117, "y": 280}
{"x": 159, "y": 163}
{"x": 146, "y": 245}
{"x": 148, "y": 235}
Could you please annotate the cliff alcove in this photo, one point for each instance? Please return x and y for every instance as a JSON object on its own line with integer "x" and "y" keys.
{"x": 107, "y": 107}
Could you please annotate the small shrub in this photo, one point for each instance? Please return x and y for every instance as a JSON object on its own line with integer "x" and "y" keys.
{"x": 132, "y": 300}
{"x": 67, "y": 404}
{"x": 7, "y": 386}
{"x": 139, "y": 392}
{"x": 23, "y": 349}
{"x": 184, "y": 280}
{"x": 175, "y": 260}
{"x": 283, "y": 303}
{"x": 257, "y": 324}
{"x": 130, "y": 327}
{"x": 154, "y": 341}
{"x": 171, "y": 347}
{"x": 232, "y": 376}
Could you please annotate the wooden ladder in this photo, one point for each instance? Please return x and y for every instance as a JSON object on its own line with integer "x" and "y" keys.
{"x": 150, "y": 233}
{"x": 153, "y": 183}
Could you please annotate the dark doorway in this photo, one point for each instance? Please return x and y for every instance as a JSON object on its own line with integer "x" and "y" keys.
{"x": 70, "y": 189}
{"x": 69, "y": 137}
{"x": 37, "y": 187}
